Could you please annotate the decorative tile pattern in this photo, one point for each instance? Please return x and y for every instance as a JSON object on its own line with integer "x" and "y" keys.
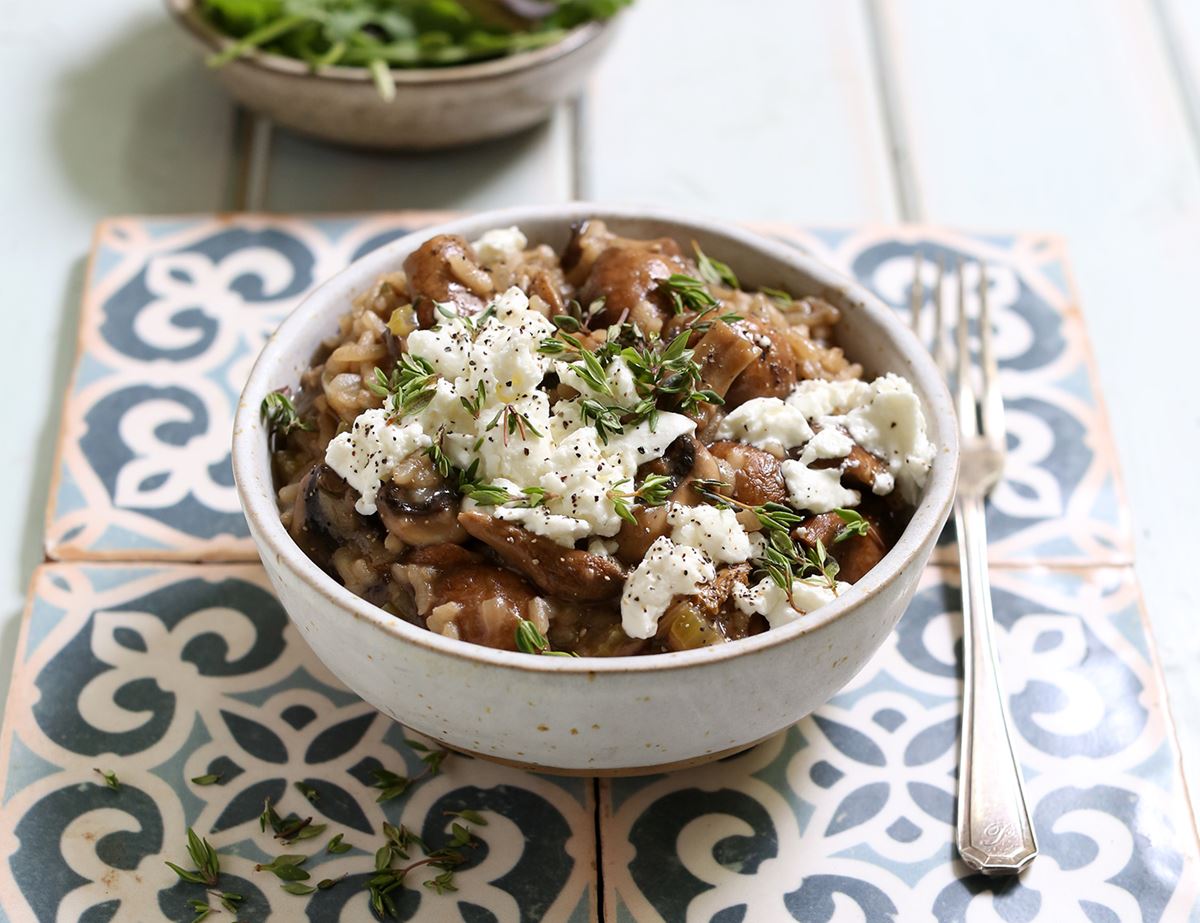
{"x": 175, "y": 313}
{"x": 176, "y": 310}
{"x": 849, "y": 814}
{"x": 165, "y": 673}
{"x": 1061, "y": 501}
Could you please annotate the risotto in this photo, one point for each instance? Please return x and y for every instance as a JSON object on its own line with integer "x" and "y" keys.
{"x": 611, "y": 450}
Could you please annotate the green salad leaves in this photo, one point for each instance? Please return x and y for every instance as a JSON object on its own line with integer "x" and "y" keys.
{"x": 385, "y": 34}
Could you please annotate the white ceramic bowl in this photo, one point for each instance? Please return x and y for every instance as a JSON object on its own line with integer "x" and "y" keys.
{"x": 598, "y": 715}
{"x": 433, "y": 107}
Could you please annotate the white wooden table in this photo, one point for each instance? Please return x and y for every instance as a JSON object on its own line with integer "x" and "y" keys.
{"x": 1075, "y": 116}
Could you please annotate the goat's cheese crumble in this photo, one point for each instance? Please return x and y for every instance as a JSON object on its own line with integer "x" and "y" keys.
{"x": 717, "y": 533}
{"x": 767, "y": 598}
{"x": 498, "y": 244}
{"x": 668, "y": 570}
{"x": 367, "y": 453}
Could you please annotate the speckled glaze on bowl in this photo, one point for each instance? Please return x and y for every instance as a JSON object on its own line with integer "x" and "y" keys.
{"x": 433, "y": 107}
{"x": 617, "y": 715}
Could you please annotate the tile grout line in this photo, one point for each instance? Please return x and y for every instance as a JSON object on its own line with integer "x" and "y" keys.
{"x": 895, "y": 129}
{"x": 601, "y": 897}
{"x": 1186, "y": 90}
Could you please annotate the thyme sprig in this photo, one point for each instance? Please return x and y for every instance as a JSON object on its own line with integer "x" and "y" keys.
{"x": 855, "y": 524}
{"x": 705, "y": 319}
{"x": 408, "y": 388}
{"x": 512, "y": 421}
{"x": 582, "y": 361}
{"x": 280, "y": 414}
{"x": 666, "y": 370}
{"x": 530, "y": 640}
{"x": 398, "y": 840}
{"x": 204, "y": 857}
{"x": 714, "y": 272}
{"x": 686, "y": 293}
{"x": 110, "y": 779}
{"x": 655, "y": 490}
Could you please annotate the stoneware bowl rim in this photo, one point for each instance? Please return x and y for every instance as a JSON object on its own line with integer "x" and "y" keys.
{"x": 186, "y": 13}
{"x": 251, "y": 457}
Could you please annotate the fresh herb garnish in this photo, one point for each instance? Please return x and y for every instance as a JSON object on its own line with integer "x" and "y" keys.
{"x": 336, "y": 847}
{"x": 511, "y": 421}
{"x": 669, "y": 371}
{"x": 686, "y": 293}
{"x": 210, "y": 778}
{"x": 110, "y": 779}
{"x": 530, "y": 640}
{"x": 307, "y": 791}
{"x": 706, "y": 318}
{"x": 280, "y": 414}
{"x": 286, "y": 868}
{"x": 714, "y": 272}
{"x": 779, "y": 296}
{"x": 408, "y": 388}
{"x": 204, "y": 857}
{"x": 655, "y": 490}
{"x": 855, "y": 524}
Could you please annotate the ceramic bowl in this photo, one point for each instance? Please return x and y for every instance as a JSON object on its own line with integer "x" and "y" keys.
{"x": 598, "y": 715}
{"x": 433, "y": 107}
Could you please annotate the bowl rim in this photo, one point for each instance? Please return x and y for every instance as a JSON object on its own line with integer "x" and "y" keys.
{"x": 250, "y": 448}
{"x": 187, "y": 14}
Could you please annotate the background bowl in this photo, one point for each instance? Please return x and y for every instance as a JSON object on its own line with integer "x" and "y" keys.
{"x": 433, "y": 107}
{"x": 598, "y": 715}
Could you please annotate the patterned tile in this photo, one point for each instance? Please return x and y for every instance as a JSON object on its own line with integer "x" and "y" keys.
{"x": 849, "y": 814}
{"x": 175, "y": 313}
{"x": 1061, "y": 500}
{"x": 165, "y": 673}
{"x": 176, "y": 309}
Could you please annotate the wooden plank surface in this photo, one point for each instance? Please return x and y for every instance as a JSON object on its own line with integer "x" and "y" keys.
{"x": 106, "y": 110}
{"x": 1065, "y": 116}
{"x": 754, "y": 110}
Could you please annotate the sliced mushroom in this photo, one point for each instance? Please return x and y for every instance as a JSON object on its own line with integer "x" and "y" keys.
{"x": 560, "y": 572}
{"x": 445, "y": 269}
{"x": 757, "y": 475}
{"x": 459, "y": 595}
{"x": 421, "y": 516}
{"x": 855, "y": 554}
{"x": 724, "y": 353}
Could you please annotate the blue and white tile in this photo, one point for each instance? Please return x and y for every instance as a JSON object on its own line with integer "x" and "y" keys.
{"x": 165, "y": 673}
{"x": 849, "y": 814}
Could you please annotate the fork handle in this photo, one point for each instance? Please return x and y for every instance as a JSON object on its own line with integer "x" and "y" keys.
{"x": 994, "y": 832}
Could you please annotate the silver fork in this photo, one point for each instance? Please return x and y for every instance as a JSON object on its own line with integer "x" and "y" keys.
{"x": 994, "y": 833}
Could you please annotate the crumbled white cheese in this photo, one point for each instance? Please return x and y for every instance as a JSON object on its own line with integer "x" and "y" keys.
{"x": 499, "y": 243}
{"x": 818, "y": 490}
{"x": 768, "y": 423}
{"x": 828, "y": 443}
{"x": 717, "y": 533}
{"x": 547, "y": 446}
{"x": 767, "y": 599}
{"x": 883, "y": 416}
{"x": 666, "y": 571}
{"x": 369, "y": 451}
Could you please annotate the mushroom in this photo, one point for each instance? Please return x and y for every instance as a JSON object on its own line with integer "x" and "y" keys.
{"x": 420, "y": 516}
{"x": 855, "y": 554}
{"x": 445, "y": 269}
{"x": 757, "y": 475}
{"x": 557, "y": 571}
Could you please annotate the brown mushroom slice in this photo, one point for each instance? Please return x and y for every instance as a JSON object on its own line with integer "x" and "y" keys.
{"x": 445, "y": 269}
{"x": 635, "y": 538}
{"x": 627, "y": 277}
{"x": 723, "y": 354}
{"x": 855, "y": 554}
{"x": 324, "y": 518}
{"x": 758, "y": 478}
{"x": 775, "y": 371}
{"x": 420, "y": 517}
{"x": 557, "y": 571}
{"x": 863, "y": 468}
